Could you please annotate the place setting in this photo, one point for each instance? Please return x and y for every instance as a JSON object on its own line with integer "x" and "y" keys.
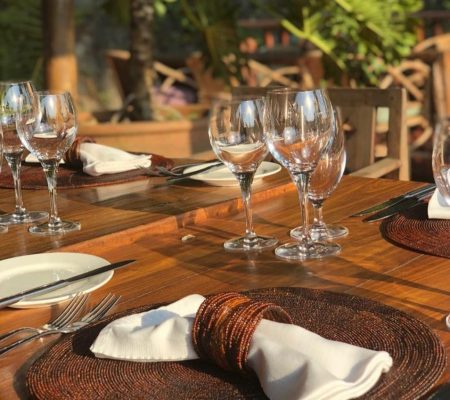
{"x": 138, "y": 346}
{"x": 419, "y": 219}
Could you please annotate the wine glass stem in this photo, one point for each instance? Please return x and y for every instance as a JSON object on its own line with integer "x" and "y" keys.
{"x": 318, "y": 222}
{"x": 15, "y": 163}
{"x": 245, "y": 182}
{"x": 51, "y": 171}
{"x": 302, "y": 182}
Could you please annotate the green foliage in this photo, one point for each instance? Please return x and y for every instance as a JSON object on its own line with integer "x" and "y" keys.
{"x": 358, "y": 38}
{"x": 216, "y": 22}
{"x": 21, "y": 46}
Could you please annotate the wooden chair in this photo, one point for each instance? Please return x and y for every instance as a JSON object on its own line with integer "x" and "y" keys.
{"x": 415, "y": 76}
{"x": 436, "y": 52}
{"x": 358, "y": 109}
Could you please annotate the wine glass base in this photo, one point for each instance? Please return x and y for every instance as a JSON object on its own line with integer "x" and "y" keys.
{"x": 3, "y": 229}
{"x": 254, "y": 244}
{"x": 336, "y": 231}
{"x": 61, "y": 228}
{"x": 299, "y": 252}
{"x": 330, "y": 232}
{"x": 27, "y": 217}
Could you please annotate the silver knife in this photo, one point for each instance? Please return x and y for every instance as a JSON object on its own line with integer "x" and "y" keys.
{"x": 48, "y": 287}
{"x": 403, "y": 205}
{"x": 395, "y": 200}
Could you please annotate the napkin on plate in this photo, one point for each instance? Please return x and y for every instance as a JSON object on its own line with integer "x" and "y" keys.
{"x": 438, "y": 207}
{"x": 99, "y": 159}
{"x": 290, "y": 362}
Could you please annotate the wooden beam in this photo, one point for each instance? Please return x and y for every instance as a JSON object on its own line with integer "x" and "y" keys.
{"x": 59, "y": 41}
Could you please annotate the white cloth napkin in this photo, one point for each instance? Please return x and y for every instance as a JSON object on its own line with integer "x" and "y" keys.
{"x": 290, "y": 362}
{"x": 438, "y": 207}
{"x": 99, "y": 159}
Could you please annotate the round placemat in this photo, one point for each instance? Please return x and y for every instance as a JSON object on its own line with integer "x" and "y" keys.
{"x": 413, "y": 230}
{"x": 70, "y": 370}
{"x": 32, "y": 176}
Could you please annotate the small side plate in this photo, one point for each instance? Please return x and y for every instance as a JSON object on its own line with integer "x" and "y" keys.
{"x": 25, "y": 272}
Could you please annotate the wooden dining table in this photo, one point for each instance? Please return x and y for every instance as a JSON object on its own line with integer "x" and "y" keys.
{"x": 176, "y": 233}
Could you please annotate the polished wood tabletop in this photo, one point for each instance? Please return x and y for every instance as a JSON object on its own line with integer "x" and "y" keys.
{"x": 176, "y": 234}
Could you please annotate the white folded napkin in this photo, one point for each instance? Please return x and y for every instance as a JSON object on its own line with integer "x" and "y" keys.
{"x": 290, "y": 362}
{"x": 438, "y": 207}
{"x": 98, "y": 159}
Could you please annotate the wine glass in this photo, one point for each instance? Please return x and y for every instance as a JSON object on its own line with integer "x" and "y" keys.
{"x": 14, "y": 98}
{"x": 237, "y": 137}
{"x": 441, "y": 158}
{"x": 48, "y": 134}
{"x": 298, "y": 126}
{"x": 322, "y": 184}
{"x": 3, "y": 228}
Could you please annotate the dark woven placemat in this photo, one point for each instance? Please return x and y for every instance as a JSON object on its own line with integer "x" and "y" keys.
{"x": 413, "y": 230}
{"x": 69, "y": 369}
{"x": 32, "y": 176}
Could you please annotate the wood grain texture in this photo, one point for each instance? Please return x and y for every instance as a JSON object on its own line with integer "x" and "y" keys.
{"x": 140, "y": 221}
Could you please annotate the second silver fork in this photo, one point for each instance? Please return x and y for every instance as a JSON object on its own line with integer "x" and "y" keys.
{"x": 100, "y": 310}
{"x": 68, "y": 314}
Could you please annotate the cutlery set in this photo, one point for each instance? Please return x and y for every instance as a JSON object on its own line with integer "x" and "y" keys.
{"x": 65, "y": 322}
{"x": 396, "y": 204}
{"x": 177, "y": 173}
{"x": 48, "y": 287}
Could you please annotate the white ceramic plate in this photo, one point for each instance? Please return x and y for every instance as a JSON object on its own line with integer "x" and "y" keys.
{"x": 25, "y": 272}
{"x": 221, "y": 175}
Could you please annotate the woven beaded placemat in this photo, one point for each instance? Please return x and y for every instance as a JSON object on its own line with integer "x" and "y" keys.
{"x": 32, "y": 176}
{"x": 70, "y": 370}
{"x": 413, "y": 230}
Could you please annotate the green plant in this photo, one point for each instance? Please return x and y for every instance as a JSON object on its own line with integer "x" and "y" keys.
{"x": 216, "y": 22}
{"x": 21, "y": 45}
{"x": 358, "y": 38}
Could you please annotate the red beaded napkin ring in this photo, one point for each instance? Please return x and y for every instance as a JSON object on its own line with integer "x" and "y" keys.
{"x": 224, "y": 326}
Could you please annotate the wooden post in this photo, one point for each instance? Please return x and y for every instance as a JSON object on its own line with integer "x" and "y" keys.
{"x": 59, "y": 42}
{"x": 141, "y": 61}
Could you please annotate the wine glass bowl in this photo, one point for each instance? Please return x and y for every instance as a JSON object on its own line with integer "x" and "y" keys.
{"x": 298, "y": 126}
{"x": 48, "y": 134}
{"x": 16, "y": 98}
{"x": 236, "y": 133}
{"x": 323, "y": 182}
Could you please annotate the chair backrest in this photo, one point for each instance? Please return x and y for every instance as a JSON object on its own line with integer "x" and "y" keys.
{"x": 436, "y": 51}
{"x": 359, "y": 112}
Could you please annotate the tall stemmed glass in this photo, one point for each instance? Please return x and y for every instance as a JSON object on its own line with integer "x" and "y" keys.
{"x": 3, "y": 228}
{"x": 322, "y": 184}
{"x": 14, "y": 98}
{"x": 298, "y": 127}
{"x": 48, "y": 135}
{"x": 236, "y": 134}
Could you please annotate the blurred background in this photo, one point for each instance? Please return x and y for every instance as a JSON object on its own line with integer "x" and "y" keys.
{"x": 144, "y": 72}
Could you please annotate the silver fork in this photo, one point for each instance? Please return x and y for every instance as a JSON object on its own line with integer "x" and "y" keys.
{"x": 67, "y": 315}
{"x": 95, "y": 314}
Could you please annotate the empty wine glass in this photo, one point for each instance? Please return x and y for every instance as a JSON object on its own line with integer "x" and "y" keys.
{"x": 14, "y": 98}
{"x": 441, "y": 159}
{"x": 237, "y": 137}
{"x": 48, "y": 134}
{"x": 322, "y": 184}
{"x": 3, "y": 228}
{"x": 298, "y": 127}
